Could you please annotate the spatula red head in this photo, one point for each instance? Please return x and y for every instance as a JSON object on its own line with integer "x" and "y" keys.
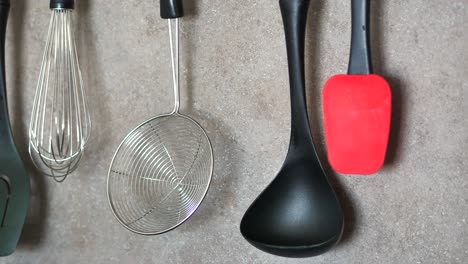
{"x": 357, "y": 106}
{"x": 357, "y": 113}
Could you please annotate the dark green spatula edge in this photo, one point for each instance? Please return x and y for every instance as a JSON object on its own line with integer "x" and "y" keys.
{"x": 14, "y": 179}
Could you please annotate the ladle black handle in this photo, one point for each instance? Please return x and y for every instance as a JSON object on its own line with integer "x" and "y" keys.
{"x": 360, "y": 56}
{"x": 5, "y": 131}
{"x": 171, "y": 9}
{"x": 294, "y": 13}
{"x": 62, "y": 4}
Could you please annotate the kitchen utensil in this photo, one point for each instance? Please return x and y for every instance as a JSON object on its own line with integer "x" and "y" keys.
{"x": 60, "y": 120}
{"x": 298, "y": 214}
{"x": 357, "y": 106}
{"x": 161, "y": 171}
{"x": 14, "y": 179}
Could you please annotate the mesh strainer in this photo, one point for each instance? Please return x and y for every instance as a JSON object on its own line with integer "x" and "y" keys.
{"x": 161, "y": 171}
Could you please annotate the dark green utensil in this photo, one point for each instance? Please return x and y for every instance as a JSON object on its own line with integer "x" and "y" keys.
{"x": 14, "y": 179}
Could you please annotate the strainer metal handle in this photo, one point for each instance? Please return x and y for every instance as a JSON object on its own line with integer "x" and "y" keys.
{"x": 172, "y": 10}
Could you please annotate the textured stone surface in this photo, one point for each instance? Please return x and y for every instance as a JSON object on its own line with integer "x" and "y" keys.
{"x": 235, "y": 83}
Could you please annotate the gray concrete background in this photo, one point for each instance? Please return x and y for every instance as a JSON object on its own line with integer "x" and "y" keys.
{"x": 235, "y": 82}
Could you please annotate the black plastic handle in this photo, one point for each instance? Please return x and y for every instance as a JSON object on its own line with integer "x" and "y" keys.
{"x": 62, "y": 4}
{"x": 294, "y": 13}
{"x": 360, "y": 57}
{"x": 171, "y": 9}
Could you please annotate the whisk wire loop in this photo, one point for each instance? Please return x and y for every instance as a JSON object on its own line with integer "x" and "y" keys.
{"x": 60, "y": 121}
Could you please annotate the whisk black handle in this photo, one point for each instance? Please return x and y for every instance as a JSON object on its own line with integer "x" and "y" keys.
{"x": 171, "y": 9}
{"x": 62, "y": 4}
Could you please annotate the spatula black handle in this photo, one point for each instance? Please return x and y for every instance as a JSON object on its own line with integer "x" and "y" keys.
{"x": 360, "y": 57}
{"x": 171, "y": 9}
{"x": 62, "y": 4}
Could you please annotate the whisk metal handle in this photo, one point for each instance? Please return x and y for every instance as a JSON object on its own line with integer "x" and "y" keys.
{"x": 62, "y": 4}
{"x": 171, "y": 9}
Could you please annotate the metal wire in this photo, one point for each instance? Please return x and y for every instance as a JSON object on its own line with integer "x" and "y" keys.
{"x": 161, "y": 171}
{"x": 175, "y": 61}
{"x": 60, "y": 121}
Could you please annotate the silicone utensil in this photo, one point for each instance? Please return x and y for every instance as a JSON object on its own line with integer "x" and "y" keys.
{"x": 298, "y": 214}
{"x": 14, "y": 179}
{"x": 357, "y": 106}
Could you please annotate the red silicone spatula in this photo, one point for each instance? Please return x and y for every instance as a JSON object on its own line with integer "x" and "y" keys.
{"x": 357, "y": 106}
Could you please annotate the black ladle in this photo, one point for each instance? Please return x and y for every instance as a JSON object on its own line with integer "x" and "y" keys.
{"x": 298, "y": 215}
{"x": 14, "y": 179}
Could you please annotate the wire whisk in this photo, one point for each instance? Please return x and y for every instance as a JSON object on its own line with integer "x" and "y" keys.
{"x": 60, "y": 120}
